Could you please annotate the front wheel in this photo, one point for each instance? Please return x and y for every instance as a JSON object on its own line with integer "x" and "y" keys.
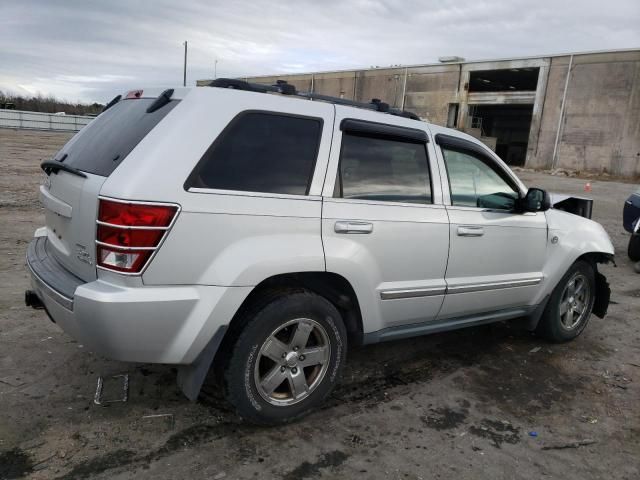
{"x": 287, "y": 359}
{"x": 634, "y": 247}
{"x": 569, "y": 308}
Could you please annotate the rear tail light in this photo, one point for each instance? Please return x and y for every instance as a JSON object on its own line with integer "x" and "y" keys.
{"x": 129, "y": 233}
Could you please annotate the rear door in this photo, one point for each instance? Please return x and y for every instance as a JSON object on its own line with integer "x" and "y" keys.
{"x": 384, "y": 226}
{"x": 496, "y": 254}
{"x": 71, "y": 200}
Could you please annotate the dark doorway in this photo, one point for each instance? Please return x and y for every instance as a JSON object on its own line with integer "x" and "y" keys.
{"x": 510, "y": 124}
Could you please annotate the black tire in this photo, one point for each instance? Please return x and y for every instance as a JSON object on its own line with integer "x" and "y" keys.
{"x": 258, "y": 324}
{"x": 551, "y": 325}
{"x": 634, "y": 248}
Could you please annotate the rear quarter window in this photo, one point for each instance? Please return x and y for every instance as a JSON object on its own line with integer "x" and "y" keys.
{"x": 261, "y": 152}
{"x": 105, "y": 142}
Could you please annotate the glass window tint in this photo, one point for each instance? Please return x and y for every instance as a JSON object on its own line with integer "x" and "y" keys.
{"x": 384, "y": 169}
{"x": 105, "y": 142}
{"x": 262, "y": 152}
{"x": 475, "y": 183}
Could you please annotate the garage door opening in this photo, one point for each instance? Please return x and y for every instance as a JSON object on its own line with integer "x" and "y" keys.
{"x": 506, "y": 80}
{"x": 509, "y": 124}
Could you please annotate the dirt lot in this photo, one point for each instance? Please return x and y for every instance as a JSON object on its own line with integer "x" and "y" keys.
{"x": 458, "y": 405}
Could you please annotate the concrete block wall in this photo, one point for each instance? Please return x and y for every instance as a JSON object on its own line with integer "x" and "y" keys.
{"x": 600, "y": 126}
{"x": 430, "y": 90}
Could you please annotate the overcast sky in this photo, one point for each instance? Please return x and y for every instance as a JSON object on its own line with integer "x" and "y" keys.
{"x": 92, "y": 50}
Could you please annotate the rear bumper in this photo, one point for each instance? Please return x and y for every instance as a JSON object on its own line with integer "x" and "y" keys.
{"x": 157, "y": 324}
{"x": 48, "y": 276}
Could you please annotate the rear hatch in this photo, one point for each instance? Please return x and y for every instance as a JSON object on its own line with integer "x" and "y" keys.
{"x": 70, "y": 194}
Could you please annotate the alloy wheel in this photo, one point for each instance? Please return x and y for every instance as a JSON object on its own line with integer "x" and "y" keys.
{"x": 575, "y": 301}
{"x": 292, "y": 362}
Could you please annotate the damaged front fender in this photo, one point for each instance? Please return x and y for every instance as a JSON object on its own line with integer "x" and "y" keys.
{"x": 580, "y": 206}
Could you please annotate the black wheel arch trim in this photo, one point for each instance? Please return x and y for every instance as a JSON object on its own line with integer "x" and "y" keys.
{"x": 603, "y": 295}
{"x": 603, "y": 291}
{"x": 533, "y": 319}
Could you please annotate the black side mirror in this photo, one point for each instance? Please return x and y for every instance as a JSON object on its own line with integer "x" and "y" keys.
{"x": 536, "y": 200}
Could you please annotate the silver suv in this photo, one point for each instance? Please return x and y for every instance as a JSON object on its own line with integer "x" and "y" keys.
{"x": 259, "y": 231}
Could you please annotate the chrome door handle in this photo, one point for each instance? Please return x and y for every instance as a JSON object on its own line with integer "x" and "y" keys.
{"x": 353, "y": 227}
{"x": 470, "y": 231}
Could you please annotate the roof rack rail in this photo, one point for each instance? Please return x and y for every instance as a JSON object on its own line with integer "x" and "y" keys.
{"x": 284, "y": 88}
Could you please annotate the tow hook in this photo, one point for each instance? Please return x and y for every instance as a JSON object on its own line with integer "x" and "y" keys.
{"x": 31, "y": 299}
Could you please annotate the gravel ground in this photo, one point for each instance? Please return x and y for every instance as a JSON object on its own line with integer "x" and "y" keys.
{"x": 461, "y": 405}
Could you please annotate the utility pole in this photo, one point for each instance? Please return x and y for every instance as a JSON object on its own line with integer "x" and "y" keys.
{"x": 215, "y": 68}
{"x": 184, "y": 79}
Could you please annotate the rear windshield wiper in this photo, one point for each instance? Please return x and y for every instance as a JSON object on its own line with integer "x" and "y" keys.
{"x": 161, "y": 101}
{"x": 54, "y": 166}
{"x": 113, "y": 101}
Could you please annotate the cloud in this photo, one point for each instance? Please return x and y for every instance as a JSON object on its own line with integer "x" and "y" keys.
{"x": 92, "y": 50}
{"x": 92, "y": 79}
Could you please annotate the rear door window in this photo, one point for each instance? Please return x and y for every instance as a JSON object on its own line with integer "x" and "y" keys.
{"x": 383, "y": 169}
{"x": 105, "y": 142}
{"x": 261, "y": 152}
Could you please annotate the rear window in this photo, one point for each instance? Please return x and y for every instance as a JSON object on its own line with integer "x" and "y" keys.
{"x": 261, "y": 152}
{"x": 106, "y": 141}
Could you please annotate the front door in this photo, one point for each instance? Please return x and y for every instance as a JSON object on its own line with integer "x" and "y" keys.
{"x": 496, "y": 255}
{"x": 384, "y": 226}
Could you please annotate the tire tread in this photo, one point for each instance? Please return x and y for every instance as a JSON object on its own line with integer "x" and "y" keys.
{"x": 549, "y": 324}
{"x": 234, "y": 390}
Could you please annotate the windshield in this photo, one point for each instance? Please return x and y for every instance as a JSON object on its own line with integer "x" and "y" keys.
{"x": 106, "y": 141}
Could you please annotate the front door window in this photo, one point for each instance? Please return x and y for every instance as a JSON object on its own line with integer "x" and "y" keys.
{"x": 474, "y": 182}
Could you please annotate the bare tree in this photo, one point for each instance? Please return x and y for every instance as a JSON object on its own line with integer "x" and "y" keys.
{"x": 49, "y": 104}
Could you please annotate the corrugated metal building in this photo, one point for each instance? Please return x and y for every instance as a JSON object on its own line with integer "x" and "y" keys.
{"x": 576, "y": 111}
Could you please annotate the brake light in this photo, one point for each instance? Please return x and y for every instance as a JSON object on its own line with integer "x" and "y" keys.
{"x": 128, "y": 233}
{"x": 134, "y": 94}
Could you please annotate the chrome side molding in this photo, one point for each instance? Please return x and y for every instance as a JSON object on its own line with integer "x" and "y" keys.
{"x": 412, "y": 293}
{"x": 475, "y": 287}
{"x": 480, "y": 287}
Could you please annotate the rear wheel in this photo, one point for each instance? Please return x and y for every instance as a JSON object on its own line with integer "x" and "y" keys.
{"x": 634, "y": 247}
{"x": 569, "y": 308}
{"x": 287, "y": 359}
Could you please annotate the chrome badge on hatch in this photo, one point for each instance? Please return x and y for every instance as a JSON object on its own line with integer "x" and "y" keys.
{"x": 83, "y": 255}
